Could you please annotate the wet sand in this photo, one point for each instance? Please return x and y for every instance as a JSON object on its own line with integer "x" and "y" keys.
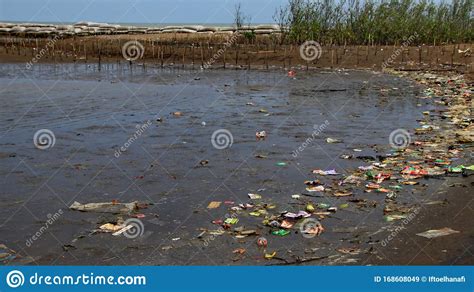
{"x": 455, "y": 211}
{"x": 92, "y": 114}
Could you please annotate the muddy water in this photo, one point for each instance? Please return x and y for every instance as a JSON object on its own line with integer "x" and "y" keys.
{"x": 93, "y": 113}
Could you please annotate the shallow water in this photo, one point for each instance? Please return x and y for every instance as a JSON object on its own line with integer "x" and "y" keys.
{"x": 93, "y": 113}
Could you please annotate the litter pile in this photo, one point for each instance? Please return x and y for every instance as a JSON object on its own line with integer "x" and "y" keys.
{"x": 433, "y": 151}
{"x": 118, "y": 226}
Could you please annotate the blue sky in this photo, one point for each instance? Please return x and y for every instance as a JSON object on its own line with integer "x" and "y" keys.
{"x": 136, "y": 11}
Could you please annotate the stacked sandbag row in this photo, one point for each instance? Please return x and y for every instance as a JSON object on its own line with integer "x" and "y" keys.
{"x": 94, "y": 28}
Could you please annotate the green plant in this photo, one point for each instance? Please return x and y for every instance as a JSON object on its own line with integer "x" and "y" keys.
{"x": 364, "y": 22}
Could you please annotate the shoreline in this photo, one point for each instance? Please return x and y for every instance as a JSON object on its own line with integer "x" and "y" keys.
{"x": 211, "y": 51}
{"x": 449, "y": 205}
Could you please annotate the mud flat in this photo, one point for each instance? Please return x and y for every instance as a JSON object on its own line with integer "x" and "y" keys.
{"x": 174, "y": 171}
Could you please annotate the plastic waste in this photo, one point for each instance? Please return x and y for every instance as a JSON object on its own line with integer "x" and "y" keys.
{"x": 213, "y": 205}
{"x": 437, "y": 232}
{"x": 281, "y": 232}
{"x": 113, "y": 207}
{"x": 262, "y": 242}
{"x": 270, "y": 256}
{"x": 231, "y": 221}
{"x": 325, "y": 172}
{"x": 254, "y": 196}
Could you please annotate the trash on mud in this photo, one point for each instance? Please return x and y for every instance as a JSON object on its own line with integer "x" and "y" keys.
{"x": 332, "y": 141}
{"x": 6, "y": 254}
{"x": 110, "y": 227}
{"x": 113, "y": 207}
{"x": 260, "y": 135}
{"x": 270, "y": 256}
{"x": 217, "y": 232}
{"x": 324, "y": 172}
{"x": 310, "y": 208}
{"x": 261, "y": 156}
{"x": 242, "y": 232}
{"x": 349, "y": 250}
{"x": 124, "y": 229}
{"x": 231, "y": 221}
{"x": 312, "y": 182}
{"x": 286, "y": 224}
{"x": 239, "y": 251}
{"x": 254, "y": 196}
{"x": 346, "y": 156}
{"x": 315, "y": 189}
{"x": 313, "y": 229}
{"x": 281, "y": 232}
{"x": 213, "y": 205}
{"x": 390, "y": 218}
{"x": 437, "y": 232}
{"x": 300, "y": 214}
{"x": 262, "y": 242}
{"x": 258, "y": 213}
{"x": 342, "y": 194}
